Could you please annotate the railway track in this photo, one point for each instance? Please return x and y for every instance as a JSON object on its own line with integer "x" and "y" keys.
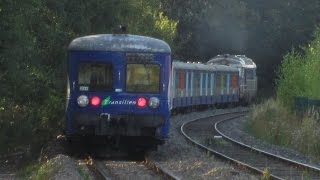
{"x": 202, "y": 132}
{"x": 146, "y": 169}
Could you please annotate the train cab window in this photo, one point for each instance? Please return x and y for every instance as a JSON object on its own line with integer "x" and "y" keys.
{"x": 143, "y": 78}
{"x": 250, "y": 73}
{"x": 95, "y": 77}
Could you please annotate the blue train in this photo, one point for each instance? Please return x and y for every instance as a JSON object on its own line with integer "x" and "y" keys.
{"x": 125, "y": 86}
{"x": 118, "y": 87}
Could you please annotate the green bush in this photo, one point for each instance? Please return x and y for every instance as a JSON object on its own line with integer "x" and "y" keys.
{"x": 271, "y": 121}
{"x": 299, "y": 74}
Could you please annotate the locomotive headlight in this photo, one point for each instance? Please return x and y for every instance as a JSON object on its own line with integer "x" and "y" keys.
{"x": 83, "y": 100}
{"x": 154, "y": 102}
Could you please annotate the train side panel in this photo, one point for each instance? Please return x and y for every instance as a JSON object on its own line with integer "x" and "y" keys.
{"x": 197, "y": 85}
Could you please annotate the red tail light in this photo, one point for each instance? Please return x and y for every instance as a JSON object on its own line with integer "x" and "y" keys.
{"x": 95, "y": 101}
{"x": 142, "y": 102}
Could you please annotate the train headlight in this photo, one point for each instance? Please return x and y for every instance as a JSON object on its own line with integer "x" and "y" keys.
{"x": 154, "y": 102}
{"x": 83, "y": 100}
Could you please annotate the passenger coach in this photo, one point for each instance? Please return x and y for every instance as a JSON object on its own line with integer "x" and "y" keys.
{"x": 118, "y": 87}
{"x": 197, "y": 85}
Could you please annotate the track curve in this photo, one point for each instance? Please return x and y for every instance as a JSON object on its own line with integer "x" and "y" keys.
{"x": 300, "y": 169}
{"x": 201, "y": 132}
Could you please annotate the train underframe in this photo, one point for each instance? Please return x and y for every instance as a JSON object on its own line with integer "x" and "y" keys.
{"x": 119, "y": 131}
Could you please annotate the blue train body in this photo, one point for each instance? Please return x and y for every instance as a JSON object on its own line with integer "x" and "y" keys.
{"x": 118, "y": 86}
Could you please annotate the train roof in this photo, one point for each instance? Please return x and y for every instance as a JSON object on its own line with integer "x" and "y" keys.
{"x": 233, "y": 60}
{"x": 204, "y": 67}
{"x": 119, "y": 42}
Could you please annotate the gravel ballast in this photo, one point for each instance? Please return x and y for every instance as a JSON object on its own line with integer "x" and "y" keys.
{"x": 189, "y": 162}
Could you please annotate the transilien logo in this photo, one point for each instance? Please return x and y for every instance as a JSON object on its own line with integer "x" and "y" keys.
{"x": 106, "y": 101}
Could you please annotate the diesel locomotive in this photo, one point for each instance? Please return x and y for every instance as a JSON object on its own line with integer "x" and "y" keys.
{"x": 247, "y": 74}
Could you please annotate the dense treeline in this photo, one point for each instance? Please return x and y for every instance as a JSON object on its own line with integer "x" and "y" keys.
{"x": 263, "y": 30}
{"x": 34, "y": 35}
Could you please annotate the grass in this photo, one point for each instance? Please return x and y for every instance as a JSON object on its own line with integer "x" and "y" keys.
{"x": 266, "y": 174}
{"x": 37, "y": 171}
{"x": 273, "y": 122}
{"x": 84, "y": 173}
{"x": 47, "y": 170}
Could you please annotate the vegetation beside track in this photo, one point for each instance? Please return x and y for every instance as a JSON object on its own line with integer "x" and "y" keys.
{"x": 60, "y": 167}
{"x": 299, "y": 74}
{"x": 277, "y": 124}
{"x": 279, "y": 121}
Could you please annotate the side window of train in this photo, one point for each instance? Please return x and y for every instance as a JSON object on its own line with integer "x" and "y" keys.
{"x": 189, "y": 80}
{"x": 212, "y": 87}
{"x": 234, "y": 81}
{"x": 143, "y": 78}
{"x": 218, "y": 83}
{"x": 222, "y": 81}
{"x": 182, "y": 83}
{"x": 95, "y": 77}
{"x": 203, "y": 88}
{"x": 177, "y": 79}
{"x": 196, "y": 83}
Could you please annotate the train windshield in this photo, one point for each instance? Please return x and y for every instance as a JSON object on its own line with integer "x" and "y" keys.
{"x": 250, "y": 73}
{"x": 143, "y": 78}
{"x": 95, "y": 77}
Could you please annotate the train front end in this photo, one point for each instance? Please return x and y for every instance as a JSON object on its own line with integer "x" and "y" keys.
{"x": 118, "y": 87}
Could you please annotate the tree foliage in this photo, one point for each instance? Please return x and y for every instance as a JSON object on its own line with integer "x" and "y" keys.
{"x": 299, "y": 74}
{"x": 34, "y": 35}
{"x": 263, "y": 30}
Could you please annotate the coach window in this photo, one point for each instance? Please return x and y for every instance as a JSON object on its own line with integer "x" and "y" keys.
{"x": 177, "y": 82}
{"x": 95, "y": 77}
{"x": 218, "y": 84}
{"x": 143, "y": 78}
